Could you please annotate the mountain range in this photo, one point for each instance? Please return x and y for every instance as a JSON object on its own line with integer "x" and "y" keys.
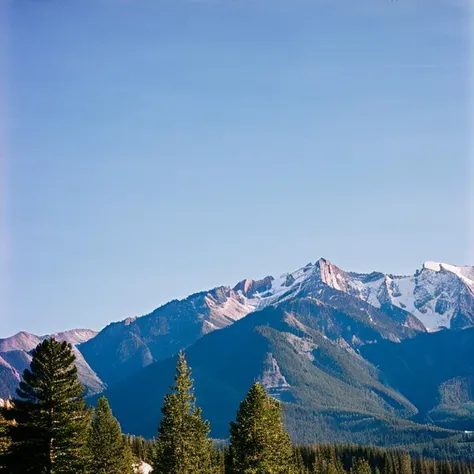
{"x": 354, "y": 357}
{"x": 15, "y": 357}
{"x": 436, "y": 296}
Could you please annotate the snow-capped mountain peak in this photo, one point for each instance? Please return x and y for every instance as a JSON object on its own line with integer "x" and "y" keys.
{"x": 439, "y": 295}
{"x": 465, "y": 274}
{"x": 427, "y": 299}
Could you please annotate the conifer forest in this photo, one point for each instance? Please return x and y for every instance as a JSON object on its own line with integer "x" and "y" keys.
{"x": 49, "y": 428}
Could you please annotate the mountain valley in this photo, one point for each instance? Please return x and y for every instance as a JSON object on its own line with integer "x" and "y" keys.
{"x": 354, "y": 357}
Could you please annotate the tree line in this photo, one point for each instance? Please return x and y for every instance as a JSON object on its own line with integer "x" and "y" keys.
{"x": 49, "y": 429}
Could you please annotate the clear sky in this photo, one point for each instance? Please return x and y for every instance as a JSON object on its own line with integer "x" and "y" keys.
{"x": 154, "y": 148}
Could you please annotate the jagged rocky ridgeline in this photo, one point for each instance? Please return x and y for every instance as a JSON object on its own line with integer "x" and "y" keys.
{"x": 305, "y": 335}
{"x": 436, "y": 296}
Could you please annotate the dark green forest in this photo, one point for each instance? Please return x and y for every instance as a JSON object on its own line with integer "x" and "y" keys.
{"x": 48, "y": 428}
{"x": 387, "y": 393}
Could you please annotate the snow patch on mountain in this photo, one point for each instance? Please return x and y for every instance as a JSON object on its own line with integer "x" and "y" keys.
{"x": 466, "y": 274}
{"x": 437, "y": 294}
{"x": 433, "y": 295}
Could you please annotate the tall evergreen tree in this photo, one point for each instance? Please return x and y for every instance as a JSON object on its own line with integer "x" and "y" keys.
{"x": 217, "y": 460}
{"x": 128, "y": 458}
{"x": 361, "y": 466}
{"x": 183, "y": 446}
{"x": 51, "y": 423}
{"x": 299, "y": 467}
{"x": 111, "y": 454}
{"x": 405, "y": 464}
{"x": 141, "y": 448}
{"x": 258, "y": 441}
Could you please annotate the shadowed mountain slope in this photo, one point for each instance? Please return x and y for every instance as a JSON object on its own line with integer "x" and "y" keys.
{"x": 330, "y": 391}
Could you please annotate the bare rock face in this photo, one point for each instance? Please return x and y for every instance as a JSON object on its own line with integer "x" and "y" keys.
{"x": 249, "y": 288}
{"x": 272, "y": 378}
{"x": 399, "y": 306}
{"x": 126, "y": 347}
{"x": 331, "y": 275}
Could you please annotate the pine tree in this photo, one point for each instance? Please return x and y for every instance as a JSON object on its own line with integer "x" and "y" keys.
{"x": 128, "y": 458}
{"x": 51, "y": 423}
{"x": 388, "y": 464}
{"x": 111, "y": 454}
{"x": 361, "y": 466}
{"x": 218, "y": 455}
{"x": 183, "y": 446}
{"x": 299, "y": 466}
{"x": 258, "y": 441}
{"x": 140, "y": 448}
{"x": 405, "y": 464}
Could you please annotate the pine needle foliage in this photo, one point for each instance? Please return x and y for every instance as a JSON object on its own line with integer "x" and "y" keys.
{"x": 50, "y": 430}
{"x": 183, "y": 446}
{"x": 111, "y": 454}
{"x": 361, "y": 466}
{"x": 258, "y": 441}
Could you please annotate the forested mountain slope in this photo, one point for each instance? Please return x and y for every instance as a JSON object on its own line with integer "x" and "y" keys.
{"x": 304, "y": 353}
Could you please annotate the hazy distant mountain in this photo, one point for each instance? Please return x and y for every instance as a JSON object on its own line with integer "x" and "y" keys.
{"x": 15, "y": 357}
{"x": 9, "y": 378}
{"x": 437, "y": 295}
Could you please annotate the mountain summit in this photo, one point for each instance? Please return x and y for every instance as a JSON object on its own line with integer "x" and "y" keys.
{"x": 343, "y": 350}
{"x": 437, "y": 295}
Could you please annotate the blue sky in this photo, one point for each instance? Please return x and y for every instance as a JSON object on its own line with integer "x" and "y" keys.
{"x": 154, "y": 148}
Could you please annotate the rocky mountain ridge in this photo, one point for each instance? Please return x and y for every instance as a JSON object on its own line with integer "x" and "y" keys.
{"x": 335, "y": 385}
{"x": 311, "y": 337}
{"x": 438, "y": 295}
{"x": 15, "y": 357}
